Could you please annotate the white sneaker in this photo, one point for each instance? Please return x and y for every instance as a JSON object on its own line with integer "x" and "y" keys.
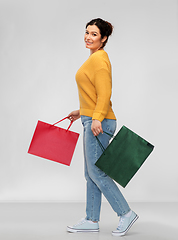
{"x": 84, "y": 226}
{"x": 125, "y": 223}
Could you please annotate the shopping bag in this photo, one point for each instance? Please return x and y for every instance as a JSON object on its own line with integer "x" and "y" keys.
{"x": 53, "y": 143}
{"x": 124, "y": 156}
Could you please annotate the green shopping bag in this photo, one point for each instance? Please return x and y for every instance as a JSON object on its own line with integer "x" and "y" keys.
{"x": 124, "y": 155}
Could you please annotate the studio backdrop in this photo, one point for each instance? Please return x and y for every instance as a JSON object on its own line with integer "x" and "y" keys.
{"x": 41, "y": 49}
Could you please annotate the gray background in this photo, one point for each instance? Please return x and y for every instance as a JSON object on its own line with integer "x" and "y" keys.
{"x": 41, "y": 48}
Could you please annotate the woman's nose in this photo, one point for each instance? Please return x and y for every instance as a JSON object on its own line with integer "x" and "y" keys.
{"x": 88, "y": 37}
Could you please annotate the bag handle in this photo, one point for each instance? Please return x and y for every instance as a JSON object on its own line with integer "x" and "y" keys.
{"x": 100, "y": 144}
{"x": 62, "y": 120}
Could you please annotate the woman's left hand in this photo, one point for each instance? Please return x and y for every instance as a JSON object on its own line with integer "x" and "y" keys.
{"x": 96, "y": 127}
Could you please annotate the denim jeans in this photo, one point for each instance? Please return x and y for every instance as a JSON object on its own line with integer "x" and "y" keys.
{"x": 97, "y": 181}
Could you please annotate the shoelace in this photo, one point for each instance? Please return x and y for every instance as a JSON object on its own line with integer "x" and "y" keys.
{"x": 121, "y": 221}
{"x": 80, "y": 223}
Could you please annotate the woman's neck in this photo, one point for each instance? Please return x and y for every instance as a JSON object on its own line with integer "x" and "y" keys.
{"x": 93, "y": 51}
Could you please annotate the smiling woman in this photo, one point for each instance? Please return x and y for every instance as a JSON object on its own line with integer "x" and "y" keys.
{"x": 93, "y": 38}
{"x": 97, "y": 33}
{"x": 94, "y": 81}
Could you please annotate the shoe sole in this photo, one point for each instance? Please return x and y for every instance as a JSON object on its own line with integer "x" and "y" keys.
{"x": 130, "y": 225}
{"x": 72, "y": 230}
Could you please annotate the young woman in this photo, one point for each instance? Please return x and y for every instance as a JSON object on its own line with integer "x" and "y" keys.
{"x": 94, "y": 83}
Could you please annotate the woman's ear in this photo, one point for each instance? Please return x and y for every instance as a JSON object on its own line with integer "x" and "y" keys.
{"x": 104, "y": 39}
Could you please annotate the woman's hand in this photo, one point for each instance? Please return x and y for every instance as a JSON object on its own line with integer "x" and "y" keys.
{"x": 74, "y": 115}
{"x": 96, "y": 127}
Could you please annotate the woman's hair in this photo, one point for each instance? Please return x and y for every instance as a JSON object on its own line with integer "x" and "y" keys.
{"x": 105, "y": 28}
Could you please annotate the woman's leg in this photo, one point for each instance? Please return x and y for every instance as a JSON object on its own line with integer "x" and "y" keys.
{"x": 93, "y": 203}
{"x": 93, "y": 174}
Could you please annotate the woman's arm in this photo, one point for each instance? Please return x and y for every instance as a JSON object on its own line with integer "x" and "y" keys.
{"x": 103, "y": 85}
{"x": 96, "y": 127}
{"x": 74, "y": 115}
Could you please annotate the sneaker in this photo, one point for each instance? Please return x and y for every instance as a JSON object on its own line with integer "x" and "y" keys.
{"x": 84, "y": 226}
{"x": 125, "y": 223}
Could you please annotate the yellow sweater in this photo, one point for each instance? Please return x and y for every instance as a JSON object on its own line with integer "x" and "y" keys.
{"x": 94, "y": 83}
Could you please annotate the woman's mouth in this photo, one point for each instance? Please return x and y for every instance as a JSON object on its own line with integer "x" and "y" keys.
{"x": 88, "y": 43}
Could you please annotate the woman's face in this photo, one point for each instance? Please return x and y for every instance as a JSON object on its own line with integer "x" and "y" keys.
{"x": 93, "y": 39}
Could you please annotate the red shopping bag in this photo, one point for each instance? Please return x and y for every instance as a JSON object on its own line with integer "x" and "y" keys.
{"x": 53, "y": 143}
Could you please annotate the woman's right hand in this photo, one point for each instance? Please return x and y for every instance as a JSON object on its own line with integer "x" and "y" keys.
{"x": 74, "y": 115}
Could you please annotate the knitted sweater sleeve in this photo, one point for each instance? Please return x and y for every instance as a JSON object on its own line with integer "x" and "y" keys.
{"x": 103, "y": 86}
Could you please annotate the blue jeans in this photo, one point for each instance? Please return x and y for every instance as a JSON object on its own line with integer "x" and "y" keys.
{"x": 97, "y": 181}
